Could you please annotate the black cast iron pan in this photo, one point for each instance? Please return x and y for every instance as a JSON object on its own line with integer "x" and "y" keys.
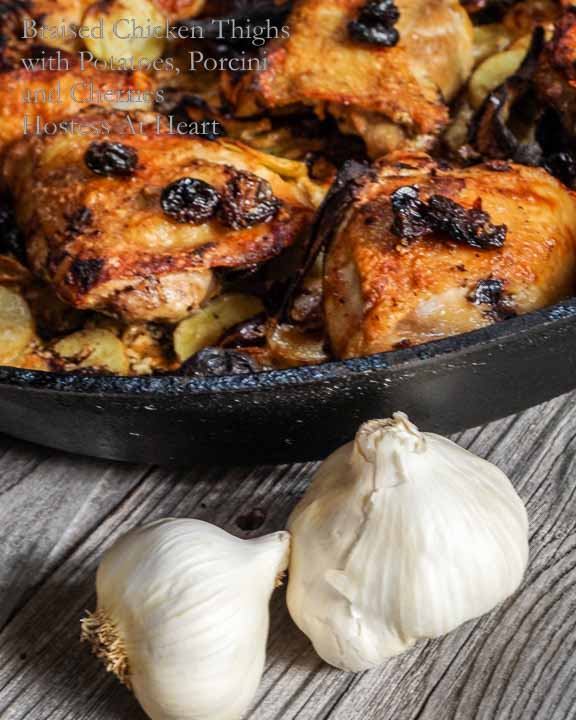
{"x": 290, "y": 415}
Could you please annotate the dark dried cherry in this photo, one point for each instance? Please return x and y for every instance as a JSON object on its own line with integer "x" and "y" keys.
{"x": 189, "y": 200}
{"x": 111, "y": 159}
{"x": 410, "y": 216}
{"x": 467, "y": 226}
{"x": 373, "y": 34}
{"x": 375, "y": 22}
{"x": 247, "y": 200}
{"x": 217, "y": 362}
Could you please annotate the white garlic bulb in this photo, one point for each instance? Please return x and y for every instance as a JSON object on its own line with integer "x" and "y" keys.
{"x": 183, "y": 616}
{"x": 401, "y": 536}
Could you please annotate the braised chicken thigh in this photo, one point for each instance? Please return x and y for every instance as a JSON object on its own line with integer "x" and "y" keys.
{"x": 134, "y": 225}
{"x": 386, "y": 83}
{"x": 422, "y": 252}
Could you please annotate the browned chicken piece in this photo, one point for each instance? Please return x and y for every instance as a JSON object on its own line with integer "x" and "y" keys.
{"x": 422, "y": 252}
{"x": 390, "y": 96}
{"x": 77, "y": 90}
{"x": 135, "y": 225}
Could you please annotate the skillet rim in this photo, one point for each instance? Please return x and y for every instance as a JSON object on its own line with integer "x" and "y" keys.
{"x": 269, "y": 380}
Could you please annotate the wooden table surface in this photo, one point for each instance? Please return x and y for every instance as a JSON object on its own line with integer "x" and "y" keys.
{"x": 59, "y": 513}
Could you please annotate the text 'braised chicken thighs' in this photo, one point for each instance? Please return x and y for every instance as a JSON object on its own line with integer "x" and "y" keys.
{"x": 387, "y": 88}
{"x": 134, "y": 225}
{"x": 422, "y": 252}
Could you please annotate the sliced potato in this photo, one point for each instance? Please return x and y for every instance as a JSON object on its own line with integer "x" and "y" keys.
{"x": 290, "y": 347}
{"x": 287, "y": 169}
{"x": 207, "y": 326}
{"x": 16, "y": 325}
{"x": 491, "y": 39}
{"x": 119, "y": 18}
{"x": 99, "y": 349}
{"x": 456, "y": 136}
{"x": 495, "y": 70}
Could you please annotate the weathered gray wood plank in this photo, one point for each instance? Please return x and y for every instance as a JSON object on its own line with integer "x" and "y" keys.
{"x": 58, "y": 514}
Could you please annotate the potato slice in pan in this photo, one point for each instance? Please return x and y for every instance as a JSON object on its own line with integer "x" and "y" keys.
{"x": 490, "y": 39}
{"x": 119, "y": 41}
{"x": 98, "y": 349}
{"x": 495, "y": 70}
{"x": 290, "y": 347}
{"x": 16, "y": 325}
{"x": 207, "y": 326}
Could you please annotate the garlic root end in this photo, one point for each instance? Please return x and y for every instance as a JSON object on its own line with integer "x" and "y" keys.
{"x": 107, "y": 644}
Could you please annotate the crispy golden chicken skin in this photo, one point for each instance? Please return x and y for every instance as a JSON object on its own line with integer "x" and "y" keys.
{"x": 391, "y": 96}
{"x": 135, "y": 246}
{"x": 386, "y": 287}
{"x": 77, "y": 90}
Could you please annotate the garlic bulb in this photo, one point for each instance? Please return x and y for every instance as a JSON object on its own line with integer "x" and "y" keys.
{"x": 183, "y": 617}
{"x": 401, "y": 536}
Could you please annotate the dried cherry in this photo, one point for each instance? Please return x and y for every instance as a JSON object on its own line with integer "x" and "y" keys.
{"x": 247, "y": 200}
{"x": 375, "y": 24}
{"x": 111, "y": 159}
{"x": 467, "y": 226}
{"x": 189, "y": 200}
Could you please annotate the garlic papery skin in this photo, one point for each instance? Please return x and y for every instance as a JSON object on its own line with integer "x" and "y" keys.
{"x": 402, "y": 536}
{"x": 183, "y": 615}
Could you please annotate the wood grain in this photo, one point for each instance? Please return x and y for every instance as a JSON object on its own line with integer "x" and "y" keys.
{"x": 59, "y": 513}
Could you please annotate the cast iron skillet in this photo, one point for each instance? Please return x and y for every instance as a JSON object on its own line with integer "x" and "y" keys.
{"x": 304, "y": 413}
